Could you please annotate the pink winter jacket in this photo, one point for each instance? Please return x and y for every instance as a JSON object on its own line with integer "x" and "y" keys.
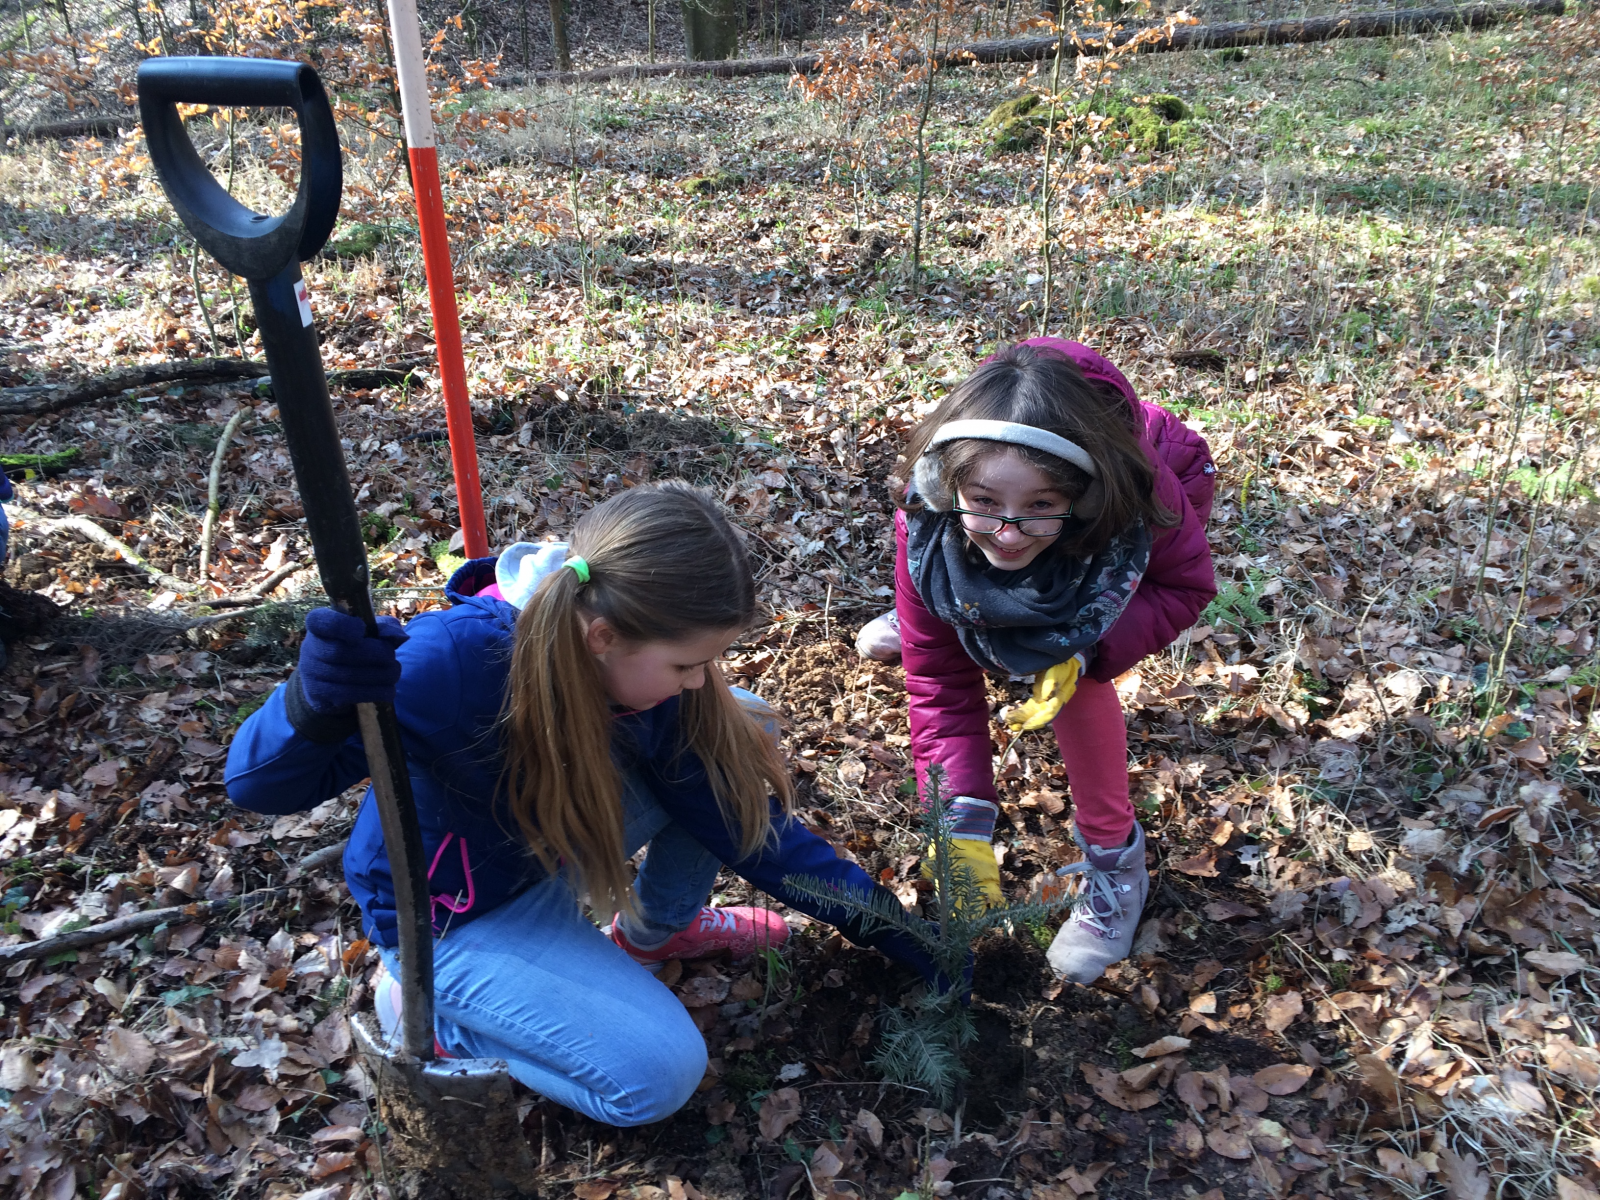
{"x": 945, "y": 688}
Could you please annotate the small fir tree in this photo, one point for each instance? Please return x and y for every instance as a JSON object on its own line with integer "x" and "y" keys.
{"x": 921, "y": 1044}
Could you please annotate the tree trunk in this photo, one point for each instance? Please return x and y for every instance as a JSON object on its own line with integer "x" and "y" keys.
{"x": 711, "y": 29}
{"x": 1390, "y": 23}
{"x": 558, "y": 33}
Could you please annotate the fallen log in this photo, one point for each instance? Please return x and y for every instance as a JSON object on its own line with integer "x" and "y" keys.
{"x": 1223, "y": 36}
{"x": 81, "y": 127}
{"x": 36, "y": 400}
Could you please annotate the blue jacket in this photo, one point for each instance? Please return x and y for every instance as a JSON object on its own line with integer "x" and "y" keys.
{"x": 454, "y": 668}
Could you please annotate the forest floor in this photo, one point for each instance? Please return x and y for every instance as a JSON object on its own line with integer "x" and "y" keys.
{"x": 1369, "y": 961}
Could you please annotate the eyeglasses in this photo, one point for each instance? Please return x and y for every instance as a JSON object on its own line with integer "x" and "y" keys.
{"x": 988, "y": 523}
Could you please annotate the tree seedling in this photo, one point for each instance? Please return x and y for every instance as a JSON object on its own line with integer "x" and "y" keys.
{"x": 922, "y": 1042}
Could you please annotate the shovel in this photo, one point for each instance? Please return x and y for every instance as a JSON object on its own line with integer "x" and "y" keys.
{"x": 455, "y": 1120}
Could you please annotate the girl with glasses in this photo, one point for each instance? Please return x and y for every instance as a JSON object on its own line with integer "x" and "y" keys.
{"x": 1054, "y": 526}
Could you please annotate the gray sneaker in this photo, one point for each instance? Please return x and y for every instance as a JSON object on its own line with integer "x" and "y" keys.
{"x": 879, "y": 638}
{"x": 1111, "y": 893}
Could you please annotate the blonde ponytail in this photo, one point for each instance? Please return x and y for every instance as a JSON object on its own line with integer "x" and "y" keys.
{"x": 663, "y": 565}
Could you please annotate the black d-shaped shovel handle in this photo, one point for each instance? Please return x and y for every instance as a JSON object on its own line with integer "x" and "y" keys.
{"x": 247, "y": 243}
{"x": 268, "y": 251}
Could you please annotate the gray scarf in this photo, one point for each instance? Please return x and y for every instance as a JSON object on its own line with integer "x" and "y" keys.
{"x": 1022, "y": 622}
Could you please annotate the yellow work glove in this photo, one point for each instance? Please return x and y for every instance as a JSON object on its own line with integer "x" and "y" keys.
{"x": 1051, "y": 691}
{"x": 971, "y": 842}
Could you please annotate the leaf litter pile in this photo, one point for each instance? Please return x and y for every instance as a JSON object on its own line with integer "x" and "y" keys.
{"x": 1368, "y": 961}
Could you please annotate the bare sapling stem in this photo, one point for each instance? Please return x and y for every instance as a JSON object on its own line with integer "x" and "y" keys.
{"x": 922, "y": 153}
{"x": 200, "y": 299}
{"x": 1044, "y": 182}
{"x": 213, "y": 487}
{"x": 577, "y": 212}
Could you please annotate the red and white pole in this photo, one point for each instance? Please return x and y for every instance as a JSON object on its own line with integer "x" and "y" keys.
{"x": 411, "y": 66}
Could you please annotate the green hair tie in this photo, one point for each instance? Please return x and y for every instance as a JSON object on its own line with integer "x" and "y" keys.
{"x": 580, "y": 567}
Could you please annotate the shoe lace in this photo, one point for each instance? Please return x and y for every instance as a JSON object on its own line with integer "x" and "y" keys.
{"x": 1098, "y": 891}
{"x": 718, "y": 920}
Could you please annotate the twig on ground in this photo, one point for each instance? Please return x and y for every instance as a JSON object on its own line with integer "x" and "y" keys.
{"x": 121, "y": 927}
{"x": 115, "y": 544}
{"x": 256, "y": 592}
{"x": 213, "y": 486}
{"x": 318, "y": 859}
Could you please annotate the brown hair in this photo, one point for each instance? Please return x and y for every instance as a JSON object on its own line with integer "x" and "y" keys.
{"x": 1045, "y": 389}
{"x": 664, "y": 566}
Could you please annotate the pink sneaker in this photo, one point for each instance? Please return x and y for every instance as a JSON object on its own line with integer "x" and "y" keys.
{"x": 743, "y": 931}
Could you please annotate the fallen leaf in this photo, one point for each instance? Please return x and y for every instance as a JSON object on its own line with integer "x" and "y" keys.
{"x": 267, "y": 1055}
{"x": 1555, "y": 962}
{"x": 1402, "y": 1166}
{"x": 869, "y": 1124}
{"x": 17, "y": 1069}
{"x": 330, "y": 1164}
{"x": 127, "y": 1050}
{"x": 1495, "y": 815}
{"x": 825, "y": 1162}
{"x": 259, "y": 1097}
{"x": 1464, "y": 1176}
{"x": 1229, "y": 1143}
{"x": 337, "y": 1133}
{"x": 1280, "y": 1011}
{"x": 703, "y": 991}
{"x": 1167, "y": 1045}
{"x": 1191, "y": 1089}
{"x": 1229, "y": 910}
{"x": 596, "y": 1189}
{"x": 1111, "y": 1088}
{"x": 1568, "y": 1188}
{"x": 1202, "y": 864}
{"x": 1249, "y": 1096}
{"x": 1282, "y": 1079}
{"x": 779, "y": 1110}
{"x": 1186, "y": 1140}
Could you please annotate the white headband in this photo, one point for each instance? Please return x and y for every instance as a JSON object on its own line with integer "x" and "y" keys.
{"x": 1017, "y": 435}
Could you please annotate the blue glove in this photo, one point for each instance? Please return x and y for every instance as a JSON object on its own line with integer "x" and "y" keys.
{"x": 341, "y": 667}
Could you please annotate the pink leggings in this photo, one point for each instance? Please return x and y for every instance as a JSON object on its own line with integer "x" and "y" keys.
{"x": 1093, "y": 736}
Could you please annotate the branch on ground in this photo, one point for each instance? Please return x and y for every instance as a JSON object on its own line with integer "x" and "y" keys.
{"x": 36, "y": 400}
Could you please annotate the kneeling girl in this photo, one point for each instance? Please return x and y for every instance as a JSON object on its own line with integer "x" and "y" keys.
{"x": 564, "y": 712}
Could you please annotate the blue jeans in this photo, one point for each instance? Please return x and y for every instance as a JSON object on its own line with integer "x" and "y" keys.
{"x": 536, "y": 983}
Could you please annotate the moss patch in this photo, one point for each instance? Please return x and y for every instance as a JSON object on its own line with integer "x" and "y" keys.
{"x": 718, "y": 181}
{"x": 1155, "y": 124}
{"x": 28, "y": 466}
{"x": 360, "y": 241}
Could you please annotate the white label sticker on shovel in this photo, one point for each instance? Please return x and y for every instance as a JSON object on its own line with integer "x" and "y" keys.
{"x": 303, "y": 298}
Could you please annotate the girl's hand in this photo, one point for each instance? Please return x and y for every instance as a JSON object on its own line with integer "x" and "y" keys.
{"x": 341, "y": 667}
{"x": 1051, "y": 691}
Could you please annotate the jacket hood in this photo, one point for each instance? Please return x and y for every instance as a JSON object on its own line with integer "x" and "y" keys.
{"x": 1094, "y": 366}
